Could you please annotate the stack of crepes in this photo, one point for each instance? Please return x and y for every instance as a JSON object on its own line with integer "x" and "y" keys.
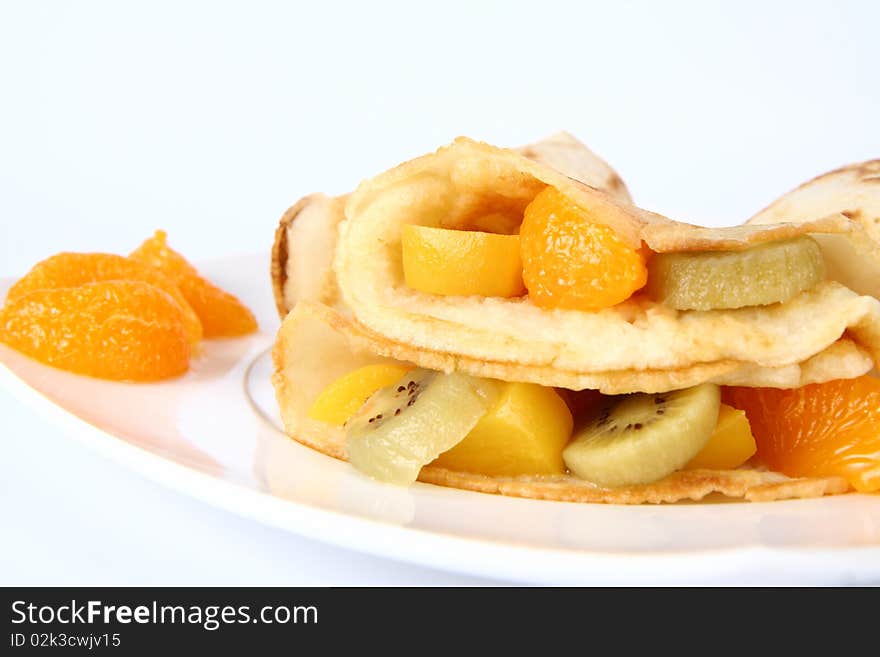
{"x": 340, "y": 288}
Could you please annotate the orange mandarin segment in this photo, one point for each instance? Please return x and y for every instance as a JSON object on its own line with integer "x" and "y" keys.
{"x": 222, "y": 315}
{"x": 75, "y": 269}
{"x": 122, "y": 330}
{"x": 573, "y": 260}
{"x": 821, "y": 429}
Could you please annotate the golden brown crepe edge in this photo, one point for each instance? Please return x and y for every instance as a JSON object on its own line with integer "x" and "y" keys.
{"x": 279, "y": 254}
{"x": 570, "y": 156}
{"x": 852, "y": 176}
{"x": 611, "y": 382}
{"x": 314, "y": 246}
{"x": 674, "y": 237}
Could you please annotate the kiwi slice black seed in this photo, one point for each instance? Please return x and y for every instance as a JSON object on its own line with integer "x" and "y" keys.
{"x": 640, "y": 438}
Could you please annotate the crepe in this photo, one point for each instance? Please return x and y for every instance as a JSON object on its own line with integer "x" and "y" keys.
{"x": 829, "y": 332}
{"x": 638, "y": 345}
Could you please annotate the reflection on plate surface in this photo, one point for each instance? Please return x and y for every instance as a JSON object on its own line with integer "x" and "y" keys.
{"x": 220, "y": 422}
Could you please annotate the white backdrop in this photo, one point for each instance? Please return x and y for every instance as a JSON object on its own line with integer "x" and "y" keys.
{"x": 209, "y": 119}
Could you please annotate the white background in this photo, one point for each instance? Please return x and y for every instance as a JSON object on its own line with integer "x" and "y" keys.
{"x": 209, "y": 119}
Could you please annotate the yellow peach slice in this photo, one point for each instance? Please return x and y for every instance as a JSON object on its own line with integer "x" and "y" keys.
{"x": 342, "y": 398}
{"x": 523, "y": 433}
{"x": 730, "y": 446}
{"x": 461, "y": 262}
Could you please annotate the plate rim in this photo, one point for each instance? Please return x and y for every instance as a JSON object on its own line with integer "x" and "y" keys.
{"x": 520, "y": 563}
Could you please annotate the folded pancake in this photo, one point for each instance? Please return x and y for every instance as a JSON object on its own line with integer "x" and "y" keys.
{"x": 637, "y": 345}
{"x": 317, "y": 344}
{"x": 305, "y": 240}
{"x": 361, "y": 313}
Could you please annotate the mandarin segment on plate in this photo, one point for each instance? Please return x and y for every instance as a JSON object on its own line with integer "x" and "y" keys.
{"x": 122, "y": 330}
{"x": 222, "y": 314}
{"x": 572, "y": 260}
{"x": 818, "y": 430}
{"x": 75, "y": 269}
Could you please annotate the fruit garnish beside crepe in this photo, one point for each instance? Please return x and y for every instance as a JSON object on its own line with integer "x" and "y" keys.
{"x": 111, "y": 317}
{"x": 75, "y": 269}
{"x": 559, "y": 342}
{"x": 118, "y": 329}
{"x": 221, "y": 314}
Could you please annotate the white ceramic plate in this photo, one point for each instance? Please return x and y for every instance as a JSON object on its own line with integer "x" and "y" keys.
{"x": 214, "y": 434}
